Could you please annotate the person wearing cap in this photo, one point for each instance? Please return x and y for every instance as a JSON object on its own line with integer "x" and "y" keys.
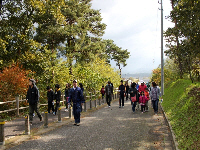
{"x": 57, "y": 96}
{"x": 50, "y": 95}
{"x": 76, "y": 97}
{"x": 33, "y": 100}
{"x": 109, "y": 93}
{"x": 121, "y": 94}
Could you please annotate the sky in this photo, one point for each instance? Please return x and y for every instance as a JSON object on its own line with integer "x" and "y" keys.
{"x": 135, "y": 25}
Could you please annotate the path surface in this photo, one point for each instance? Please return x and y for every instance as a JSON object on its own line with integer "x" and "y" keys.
{"x": 17, "y": 126}
{"x": 108, "y": 128}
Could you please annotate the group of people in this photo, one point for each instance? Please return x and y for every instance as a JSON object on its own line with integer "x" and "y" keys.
{"x": 139, "y": 95}
{"x": 74, "y": 96}
{"x": 142, "y": 95}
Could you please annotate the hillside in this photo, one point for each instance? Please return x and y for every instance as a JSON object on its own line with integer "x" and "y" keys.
{"x": 182, "y": 106}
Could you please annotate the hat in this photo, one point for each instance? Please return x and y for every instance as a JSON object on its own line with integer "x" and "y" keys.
{"x": 48, "y": 87}
{"x": 57, "y": 86}
{"x": 32, "y": 80}
{"x": 74, "y": 81}
{"x": 121, "y": 81}
{"x": 109, "y": 82}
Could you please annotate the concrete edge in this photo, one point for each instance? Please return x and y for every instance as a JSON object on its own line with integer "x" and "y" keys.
{"x": 170, "y": 127}
{"x": 16, "y": 140}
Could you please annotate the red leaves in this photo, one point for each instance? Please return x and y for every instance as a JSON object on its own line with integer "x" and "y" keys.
{"x": 13, "y": 81}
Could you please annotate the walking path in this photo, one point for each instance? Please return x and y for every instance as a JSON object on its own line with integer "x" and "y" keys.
{"x": 108, "y": 128}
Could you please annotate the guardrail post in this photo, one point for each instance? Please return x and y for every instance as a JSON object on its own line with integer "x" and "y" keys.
{"x": 63, "y": 99}
{"x": 59, "y": 115}
{"x": 85, "y": 107}
{"x": 46, "y": 119}
{"x": 27, "y": 125}
{"x": 99, "y": 101}
{"x": 2, "y": 135}
{"x": 70, "y": 111}
{"x": 17, "y": 105}
{"x": 90, "y": 100}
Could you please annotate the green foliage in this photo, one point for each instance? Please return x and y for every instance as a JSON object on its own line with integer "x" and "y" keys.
{"x": 183, "y": 39}
{"x": 181, "y": 104}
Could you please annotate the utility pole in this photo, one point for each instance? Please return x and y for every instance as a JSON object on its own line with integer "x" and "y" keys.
{"x": 162, "y": 60}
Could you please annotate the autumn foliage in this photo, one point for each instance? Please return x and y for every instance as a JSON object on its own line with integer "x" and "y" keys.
{"x": 13, "y": 81}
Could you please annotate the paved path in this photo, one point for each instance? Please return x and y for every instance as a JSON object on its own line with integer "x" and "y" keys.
{"x": 17, "y": 126}
{"x": 108, "y": 128}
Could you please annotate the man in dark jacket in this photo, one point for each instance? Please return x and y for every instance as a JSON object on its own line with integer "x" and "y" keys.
{"x": 121, "y": 94}
{"x": 33, "y": 100}
{"x": 127, "y": 89}
{"x": 109, "y": 93}
{"x": 50, "y": 95}
{"x": 76, "y": 96}
{"x": 57, "y": 96}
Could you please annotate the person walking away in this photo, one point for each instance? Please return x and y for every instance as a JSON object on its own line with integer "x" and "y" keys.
{"x": 50, "y": 95}
{"x": 154, "y": 94}
{"x": 137, "y": 86}
{"x": 142, "y": 101}
{"x": 146, "y": 93}
{"x": 33, "y": 100}
{"x": 127, "y": 89}
{"x": 102, "y": 92}
{"x": 109, "y": 93}
{"x": 67, "y": 89}
{"x": 133, "y": 93}
{"x": 82, "y": 89}
{"x": 76, "y": 97}
{"x": 121, "y": 94}
{"x": 57, "y": 96}
{"x": 148, "y": 86}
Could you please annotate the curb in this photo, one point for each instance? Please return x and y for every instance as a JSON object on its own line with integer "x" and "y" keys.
{"x": 170, "y": 127}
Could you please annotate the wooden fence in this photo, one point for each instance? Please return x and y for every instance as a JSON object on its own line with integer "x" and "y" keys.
{"x": 19, "y": 99}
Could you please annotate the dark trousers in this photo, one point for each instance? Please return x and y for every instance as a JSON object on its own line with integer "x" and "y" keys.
{"x": 57, "y": 106}
{"x": 108, "y": 99}
{"x": 77, "y": 112}
{"x": 50, "y": 106}
{"x": 102, "y": 96}
{"x": 32, "y": 108}
{"x": 121, "y": 100}
{"x": 126, "y": 96}
{"x": 133, "y": 106}
{"x": 66, "y": 102}
{"x": 155, "y": 105}
{"x": 142, "y": 108}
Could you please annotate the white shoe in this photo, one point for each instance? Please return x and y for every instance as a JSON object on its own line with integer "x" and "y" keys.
{"x": 108, "y": 106}
{"x": 66, "y": 109}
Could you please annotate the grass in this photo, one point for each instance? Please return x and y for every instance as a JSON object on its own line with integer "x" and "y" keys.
{"x": 182, "y": 106}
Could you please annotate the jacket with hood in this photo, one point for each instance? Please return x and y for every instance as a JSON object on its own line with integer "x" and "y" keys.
{"x": 33, "y": 95}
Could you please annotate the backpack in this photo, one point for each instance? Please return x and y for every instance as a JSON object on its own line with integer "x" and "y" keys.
{"x": 154, "y": 93}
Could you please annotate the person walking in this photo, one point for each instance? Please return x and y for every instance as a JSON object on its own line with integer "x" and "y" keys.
{"x": 82, "y": 89}
{"x": 142, "y": 101}
{"x": 154, "y": 94}
{"x": 76, "y": 97}
{"x": 127, "y": 89}
{"x": 33, "y": 100}
{"x": 146, "y": 93}
{"x": 109, "y": 93}
{"x": 134, "y": 95}
{"x": 67, "y": 89}
{"x": 57, "y": 96}
{"x": 102, "y": 92}
{"x": 142, "y": 87}
{"x": 50, "y": 95}
{"x": 121, "y": 94}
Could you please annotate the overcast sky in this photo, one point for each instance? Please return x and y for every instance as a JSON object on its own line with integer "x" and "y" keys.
{"x": 135, "y": 25}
